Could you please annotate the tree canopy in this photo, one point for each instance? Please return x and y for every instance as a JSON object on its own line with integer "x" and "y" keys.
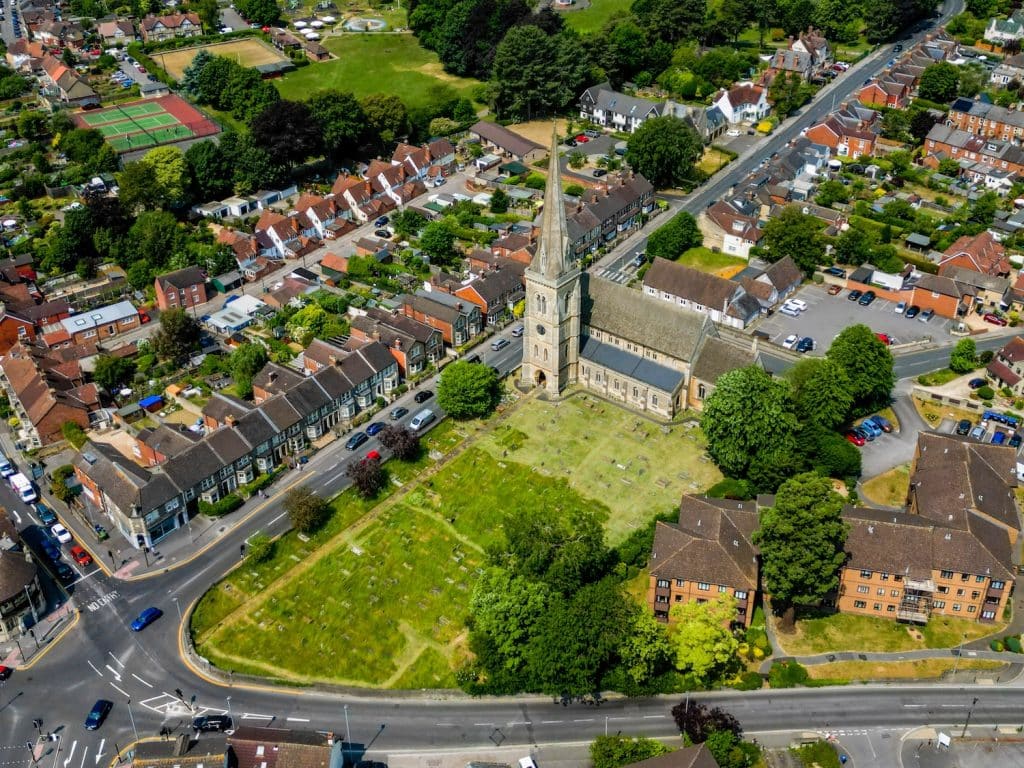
{"x": 673, "y": 238}
{"x": 964, "y": 357}
{"x": 796, "y": 234}
{"x": 939, "y": 82}
{"x": 307, "y": 511}
{"x": 701, "y": 638}
{"x": 178, "y": 335}
{"x": 868, "y": 364}
{"x": 468, "y": 390}
{"x": 665, "y": 149}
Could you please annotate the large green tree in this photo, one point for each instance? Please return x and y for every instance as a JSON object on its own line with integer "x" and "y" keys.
{"x": 853, "y": 247}
{"x": 111, "y": 372}
{"x": 868, "y": 365}
{"x": 306, "y": 511}
{"x": 536, "y": 73}
{"x": 246, "y": 362}
{"x": 939, "y": 82}
{"x": 617, "y": 751}
{"x": 178, "y": 335}
{"x": 387, "y": 118}
{"x": 468, "y": 390}
{"x": 964, "y": 357}
{"x": 821, "y": 391}
{"x": 341, "y": 122}
{"x": 796, "y": 234}
{"x": 749, "y": 421}
{"x": 671, "y": 20}
{"x": 645, "y": 651}
{"x": 506, "y": 607}
{"x": 209, "y": 171}
{"x": 169, "y": 174}
{"x": 287, "y": 131}
{"x": 801, "y": 539}
{"x": 262, "y": 12}
{"x": 674, "y": 237}
{"x": 664, "y": 150}
{"x": 704, "y": 644}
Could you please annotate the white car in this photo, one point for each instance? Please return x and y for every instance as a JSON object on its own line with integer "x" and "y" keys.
{"x": 61, "y": 533}
{"x": 798, "y": 304}
{"x": 900, "y": 307}
{"x": 790, "y": 341}
{"x": 732, "y": 132}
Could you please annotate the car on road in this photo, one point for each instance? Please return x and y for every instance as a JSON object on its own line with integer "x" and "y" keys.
{"x": 423, "y": 395}
{"x": 518, "y": 330}
{"x": 901, "y": 307}
{"x": 64, "y": 572}
{"x": 599, "y": 172}
{"x": 146, "y": 618}
{"x": 881, "y": 422}
{"x": 854, "y": 295}
{"x": 790, "y": 341}
{"x": 994, "y": 319}
{"x": 46, "y": 515}
{"x": 356, "y": 440}
{"x": 977, "y": 383}
{"x": 806, "y": 344}
{"x": 912, "y": 311}
{"x": 927, "y": 315}
{"x": 399, "y": 412}
{"x": 897, "y": 48}
{"x": 5, "y": 672}
{"x": 978, "y": 432}
{"x": 499, "y": 344}
{"x": 374, "y": 428}
{"x": 866, "y": 298}
{"x": 98, "y": 714}
{"x": 60, "y": 533}
{"x": 854, "y": 438}
{"x": 51, "y": 550}
{"x": 381, "y": 221}
{"x": 212, "y": 723}
{"x": 963, "y": 427}
{"x": 834, "y": 289}
{"x": 80, "y": 556}
{"x": 372, "y": 456}
{"x": 382, "y": 233}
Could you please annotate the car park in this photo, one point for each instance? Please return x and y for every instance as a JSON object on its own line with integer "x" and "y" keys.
{"x": 995, "y": 319}
{"x": 790, "y": 341}
{"x": 927, "y": 315}
{"x": 399, "y": 412}
{"x": 356, "y": 440}
{"x": 211, "y": 723}
{"x": 806, "y": 344}
{"x": 423, "y": 395}
{"x": 374, "y": 428}
{"x": 80, "y": 556}
{"x": 866, "y": 298}
{"x": 881, "y": 422}
{"x": 901, "y": 307}
{"x": 799, "y": 304}
{"x": 854, "y": 295}
{"x": 1001, "y": 418}
{"x": 963, "y": 427}
{"x": 98, "y": 714}
{"x": 912, "y": 311}
{"x": 146, "y": 618}
{"x": 855, "y": 438}
{"x": 60, "y": 533}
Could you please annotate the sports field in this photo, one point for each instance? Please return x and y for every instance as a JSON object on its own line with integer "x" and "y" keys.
{"x": 248, "y": 52}
{"x": 147, "y": 123}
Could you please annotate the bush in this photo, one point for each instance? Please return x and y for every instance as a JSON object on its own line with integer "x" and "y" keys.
{"x": 259, "y": 483}
{"x": 224, "y": 506}
{"x": 1012, "y": 643}
{"x": 986, "y": 392}
{"x": 749, "y": 681}
{"x": 996, "y": 645}
{"x": 985, "y": 356}
{"x": 787, "y": 674}
{"x": 73, "y": 433}
{"x": 728, "y": 488}
{"x": 261, "y": 547}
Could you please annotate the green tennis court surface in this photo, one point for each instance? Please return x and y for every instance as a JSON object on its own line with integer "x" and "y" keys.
{"x": 126, "y": 143}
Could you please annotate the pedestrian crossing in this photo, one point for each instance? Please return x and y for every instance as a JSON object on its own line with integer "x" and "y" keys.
{"x": 613, "y": 275}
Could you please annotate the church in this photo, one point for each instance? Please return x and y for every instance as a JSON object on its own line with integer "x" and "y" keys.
{"x": 608, "y": 338}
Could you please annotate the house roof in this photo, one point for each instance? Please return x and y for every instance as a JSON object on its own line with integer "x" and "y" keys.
{"x": 988, "y": 282}
{"x": 982, "y": 251}
{"x": 784, "y": 274}
{"x": 182, "y": 278}
{"x": 1003, "y": 372}
{"x": 1013, "y": 350}
{"x": 504, "y": 138}
{"x": 696, "y": 756}
{"x": 16, "y": 573}
{"x": 221, "y": 406}
{"x": 692, "y": 284}
{"x": 171, "y": 21}
{"x": 166, "y": 440}
{"x": 718, "y": 357}
{"x": 607, "y": 99}
{"x": 274, "y": 378}
{"x": 93, "y": 318}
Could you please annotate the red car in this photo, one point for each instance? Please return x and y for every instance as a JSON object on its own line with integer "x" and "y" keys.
{"x": 143, "y": 317}
{"x": 373, "y": 456}
{"x": 5, "y": 672}
{"x": 995, "y": 319}
{"x": 582, "y": 139}
{"x": 80, "y": 555}
{"x": 854, "y": 438}
{"x": 884, "y": 338}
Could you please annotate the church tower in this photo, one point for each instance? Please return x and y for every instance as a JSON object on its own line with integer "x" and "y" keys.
{"x": 551, "y": 339}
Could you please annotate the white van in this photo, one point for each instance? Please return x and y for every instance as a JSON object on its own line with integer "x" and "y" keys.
{"x": 527, "y": 762}
{"x": 421, "y": 419}
{"x": 6, "y": 467}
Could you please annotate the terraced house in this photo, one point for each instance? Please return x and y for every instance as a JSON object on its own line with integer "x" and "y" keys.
{"x": 950, "y": 552}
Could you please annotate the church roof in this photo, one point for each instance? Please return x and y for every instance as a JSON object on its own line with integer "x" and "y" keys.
{"x": 628, "y": 364}
{"x": 550, "y": 260}
{"x": 628, "y": 314}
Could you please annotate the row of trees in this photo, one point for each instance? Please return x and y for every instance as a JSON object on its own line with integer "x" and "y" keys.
{"x": 763, "y": 430}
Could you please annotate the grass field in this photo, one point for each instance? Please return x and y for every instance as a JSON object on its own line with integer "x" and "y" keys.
{"x": 707, "y": 260}
{"x": 889, "y": 488}
{"x": 919, "y": 669}
{"x": 248, "y": 52}
{"x": 400, "y": 572}
{"x": 713, "y": 160}
{"x": 393, "y": 64}
{"x": 847, "y": 632}
{"x": 593, "y": 18}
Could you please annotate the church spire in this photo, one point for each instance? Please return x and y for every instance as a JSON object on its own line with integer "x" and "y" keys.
{"x": 550, "y": 260}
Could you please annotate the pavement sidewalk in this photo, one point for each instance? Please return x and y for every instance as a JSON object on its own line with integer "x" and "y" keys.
{"x": 19, "y": 652}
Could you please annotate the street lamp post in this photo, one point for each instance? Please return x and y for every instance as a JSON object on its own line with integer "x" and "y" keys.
{"x": 35, "y": 614}
{"x": 959, "y": 653}
{"x": 229, "y": 706}
{"x": 131, "y": 717}
{"x": 968, "y": 721}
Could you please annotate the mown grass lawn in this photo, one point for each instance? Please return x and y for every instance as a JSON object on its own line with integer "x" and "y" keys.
{"x": 889, "y": 488}
{"x": 847, "y": 632}
{"x": 707, "y": 260}
{"x": 592, "y": 19}
{"x": 918, "y": 669}
{"x": 375, "y": 63}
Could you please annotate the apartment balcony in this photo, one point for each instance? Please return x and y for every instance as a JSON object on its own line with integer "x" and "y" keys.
{"x": 914, "y": 614}
{"x": 919, "y": 585}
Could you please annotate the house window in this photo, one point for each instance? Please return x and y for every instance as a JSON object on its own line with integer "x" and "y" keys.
{"x": 884, "y": 576}
{"x": 679, "y": 598}
{"x": 859, "y": 604}
{"x": 703, "y": 586}
{"x": 661, "y": 599}
{"x": 880, "y": 592}
{"x": 972, "y": 608}
{"x": 975, "y": 595}
{"x": 894, "y": 593}
{"x": 654, "y": 400}
{"x": 997, "y": 585}
{"x": 740, "y": 594}
{"x": 663, "y": 583}
{"x": 965, "y": 576}
{"x": 979, "y": 579}
{"x": 722, "y": 588}
{"x": 959, "y": 593}
{"x": 702, "y": 392}
{"x": 946, "y": 574}
{"x": 680, "y": 582}
{"x": 939, "y": 604}
{"x": 863, "y": 589}
{"x": 636, "y": 393}
{"x": 865, "y": 574}
{"x": 944, "y": 590}
{"x": 989, "y": 615}
{"x": 878, "y": 606}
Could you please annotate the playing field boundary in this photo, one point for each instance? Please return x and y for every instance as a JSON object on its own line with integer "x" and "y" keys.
{"x": 246, "y": 51}
{"x": 147, "y": 123}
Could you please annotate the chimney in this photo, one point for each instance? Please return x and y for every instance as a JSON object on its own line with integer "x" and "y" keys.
{"x": 398, "y": 343}
{"x": 332, "y": 359}
{"x": 229, "y": 420}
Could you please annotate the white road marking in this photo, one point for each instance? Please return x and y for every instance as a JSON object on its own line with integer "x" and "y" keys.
{"x": 277, "y": 518}
{"x": 445, "y": 725}
{"x": 252, "y": 716}
{"x": 485, "y": 725}
{"x": 590, "y": 720}
{"x": 119, "y": 690}
{"x": 99, "y": 751}
{"x": 549, "y": 722}
{"x": 94, "y": 669}
{"x": 71, "y": 754}
{"x": 84, "y": 753}
{"x": 913, "y": 706}
{"x": 116, "y": 660}
{"x": 518, "y": 722}
{"x": 654, "y": 717}
{"x": 297, "y": 719}
{"x": 114, "y": 672}
{"x": 17, "y": 517}
{"x": 148, "y": 685}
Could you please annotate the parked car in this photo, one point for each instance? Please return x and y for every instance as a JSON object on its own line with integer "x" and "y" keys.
{"x": 518, "y": 330}
{"x": 381, "y": 221}
{"x": 46, "y": 515}
{"x": 51, "y": 550}
{"x": 790, "y": 341}
{"x": 599, "y": 172}
{"x": 499, "y": 343}
{"x": 834, "y": 289}
{"x": 98, "y": 714}
{"x": 799, "y": 304}
{"x": 80, "y": 556}
{"x": 998, "y": 438}
{"x": 212, "y": 723}
{"x": 884, "y": 338}
{"x": 881, "y": 422}
{"x": 978, "y": 432}
{"x": 977, "y": 383}
{"x": 423, "y": 395}
{"x": 594, "y": 134}
{"x": 854, "y": 438}
{"x": 372, "y": 456}
{"x": 854, "y": 295}
{"x": 791, "y": 311}
{"x": 901, "y": 307}
{"x": 806, "y": 344}
{"x": 399, "y": 412}
{"x": 995, "y": 319}
{"x": 146, "y": 618}
{"x": 582, "y": 139}
{"x": 912, "y": 311}
{"x": 383, "y": 233}
{"x": 1015, "y": 441}
{"x": 871, "y": 428}
{"x": 866, "y": 298}
{"x": 374, "y": 428}
{"x": 356, "y": 440}
{"x": 64, "y": 572}
{"x": 5, "y": 672}
{"x": 864, "y": 433}
{"x": 963, "y": 427}
{"x": 835, "y": 272}
{"x": 60, "y": 533}
{"x": 927, "y": 315}
{"x": 570, "y": 142}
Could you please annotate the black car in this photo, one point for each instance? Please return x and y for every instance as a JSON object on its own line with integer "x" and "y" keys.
{"x": 1015, "y": 440}
{"x": 356, "y": 440}
{"x": 963, "y": 427}
{"x": 64, "y": 572}
{"x": 399, "y": 412}
{"x": 570, "y": 142}
{"x": 806, "y": 344}
{"x": 853, "y": 295}
{"x": 977, "y": 383}
{"x": 866, "y": 298}
{"x": 382, "y": 233}
{"x": 835, "y": 272}
{"x": 599, "y": 172}
{"x": 98, "y": 714}
{"x": 212, "y": 723}
{"x": 423, "y": 395}
{"x": 912, "y": 311}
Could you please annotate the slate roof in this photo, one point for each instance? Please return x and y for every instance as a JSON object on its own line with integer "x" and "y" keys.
{"x": 696, "y": 756}
{"x": 1013, "y": 350}
{"x": 220, "y": 406}
{"x": 123, "y": 481}
{"x": 718, "y": 357}
{"x": 183, "y": 278}
{"x": 634, "y": 366}
{"x": 166, "y": 440}
{"x": 1002, "y": 372}
{"x": 628, "y": 314}
{"x": 605, "y": 98}
{"x": 16, "y": 573}
{"x": 504, "y": 138}
{"x": 692, "y": 284}
{"x": 274, "y": 378}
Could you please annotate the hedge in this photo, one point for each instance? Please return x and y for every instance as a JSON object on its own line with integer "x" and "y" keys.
{"x": 224, "y": 506}
{"x": 749, "y": 681}
{"x": 996, "y": 645}
{"x": 259, "y": 483}
{"x": 1012, "y": 643}
{"x": 787, "y": 675}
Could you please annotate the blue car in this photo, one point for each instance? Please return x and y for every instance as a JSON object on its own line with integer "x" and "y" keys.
{"x": 51, "y": 550}
{"x": 998, "y": 438}
{"x": 881, "y": 422}
{"x": 46, "y": 515}
{"x": 98, "y": 714}
{"x": 375, "y": 428}
{"x": 146, "y": 618}
{"x": 356, "y": 440}
{"x": 870, "y": 426}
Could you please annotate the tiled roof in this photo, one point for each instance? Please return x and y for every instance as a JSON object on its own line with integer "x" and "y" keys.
{"x": 692, "y": 284}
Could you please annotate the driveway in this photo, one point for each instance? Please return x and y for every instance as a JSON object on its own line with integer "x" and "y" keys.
{"x": 826, "y": 316}
{"x": 229, "y": 18}
{"x": 890, "y": 450}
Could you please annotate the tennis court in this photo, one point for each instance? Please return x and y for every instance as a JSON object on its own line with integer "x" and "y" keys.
{"x": 140, "y": 124}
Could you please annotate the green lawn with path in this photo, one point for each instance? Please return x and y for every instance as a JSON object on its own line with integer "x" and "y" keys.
{"x": 375, "y": 63}
{"x": 594, "y": 17}
{"x": 379, "y": 597}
